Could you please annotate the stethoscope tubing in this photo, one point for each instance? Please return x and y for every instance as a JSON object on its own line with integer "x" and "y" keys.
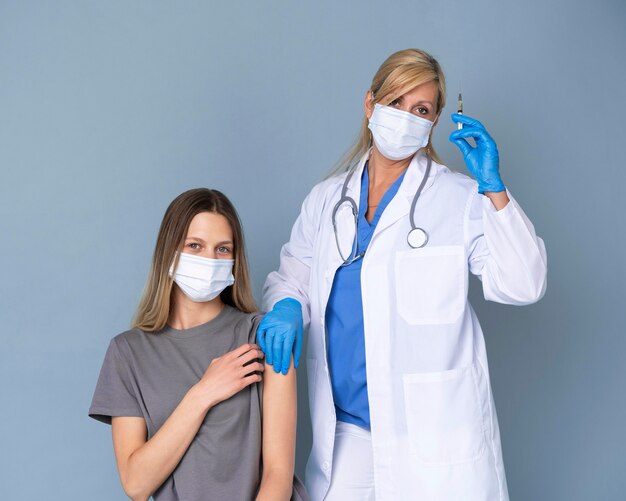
{"x": 423, "y": 235}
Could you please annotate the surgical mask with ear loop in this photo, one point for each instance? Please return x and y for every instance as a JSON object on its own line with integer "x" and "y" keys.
{"x": 202, "y": 279}
{"x": 398, "y": 134}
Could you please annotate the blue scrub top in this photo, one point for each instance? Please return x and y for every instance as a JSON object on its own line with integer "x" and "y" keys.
{"x": 344, "y": 321}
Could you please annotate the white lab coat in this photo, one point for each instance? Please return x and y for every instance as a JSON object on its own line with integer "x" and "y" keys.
{"x": 435, "y": 433}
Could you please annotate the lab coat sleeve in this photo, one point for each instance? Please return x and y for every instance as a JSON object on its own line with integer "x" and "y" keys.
{"x": 505, "y": 252}
{"x": 293, "y": 276}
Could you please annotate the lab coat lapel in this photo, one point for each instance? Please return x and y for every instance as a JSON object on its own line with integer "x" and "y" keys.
{"x": 400, "y": 205}
{"x": 345, "y": 230}
{"x": 354, "y": 185}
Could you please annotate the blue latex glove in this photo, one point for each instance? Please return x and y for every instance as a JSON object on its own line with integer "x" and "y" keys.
{"x": 279, "y": 330}
{"x": 482, "y": 161}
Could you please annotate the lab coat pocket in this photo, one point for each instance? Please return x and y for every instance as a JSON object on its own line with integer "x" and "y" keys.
{"x": 444, "y": 416}
{"x": 431, "y": 284}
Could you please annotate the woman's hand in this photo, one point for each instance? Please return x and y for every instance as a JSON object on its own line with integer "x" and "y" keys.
{"x": 145, "y": 464}
{"x": 483, "y": 160}
{"x": 230, "y": 373}
{"x": 280, "y": 334}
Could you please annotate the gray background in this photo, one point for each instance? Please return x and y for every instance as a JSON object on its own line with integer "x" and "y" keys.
{"x": 108, "y": 110}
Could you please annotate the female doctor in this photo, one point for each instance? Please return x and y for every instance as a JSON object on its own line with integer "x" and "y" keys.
{"x": 377, "y": 268}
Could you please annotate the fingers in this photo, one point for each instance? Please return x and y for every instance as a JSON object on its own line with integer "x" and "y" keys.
{"x": 277, "y": 351}
{"x": 252, "y": 368}
{"x": 260, "y": 337}
{"x": 266, "y": 327}
{"x": 298, "y": 348}
{"x": 246, "y": 358}
{"x": 251, "y": 379}
{"x": 287, "y": 350}
{"x": 476, "y": 133}
{"x": 265, "y": 337}
{"x": 244, "y": 348}
{"x": 463, "y": 145}
{"x": 270, "y": 336}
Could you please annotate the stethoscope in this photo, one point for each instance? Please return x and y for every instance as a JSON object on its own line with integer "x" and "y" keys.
{"x": 416, "y": 238}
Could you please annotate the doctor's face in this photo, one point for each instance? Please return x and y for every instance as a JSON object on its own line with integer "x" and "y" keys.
{"x": 421, "y": 101}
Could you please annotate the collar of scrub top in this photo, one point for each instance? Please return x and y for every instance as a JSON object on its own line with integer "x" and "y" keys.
{"x": 399, "y": 206}
{"x": 412, "y": 179}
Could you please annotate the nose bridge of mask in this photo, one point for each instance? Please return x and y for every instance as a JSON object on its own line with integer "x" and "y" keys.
{"x": 198, "y": 267}
{"x": 200, "y": 261}
{"x": 401, "y": 122}
{"x": 191, "y": 258}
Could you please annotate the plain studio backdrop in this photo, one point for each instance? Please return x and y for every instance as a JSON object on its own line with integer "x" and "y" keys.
{"x": 109, "y": 110}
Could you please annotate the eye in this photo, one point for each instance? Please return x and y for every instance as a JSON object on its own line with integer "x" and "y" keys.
{"x": 193, "y": 245}
{"x": 223, "y": 249}
{"x": 395, "y": 103}
{"x": 421, "y": 110}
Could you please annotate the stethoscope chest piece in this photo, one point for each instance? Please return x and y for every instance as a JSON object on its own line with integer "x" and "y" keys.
{"x": 417, "y": 238}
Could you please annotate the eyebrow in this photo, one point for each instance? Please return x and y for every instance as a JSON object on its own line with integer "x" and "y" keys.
{"x": 401, "y": 98}
{"x": 198, "y": 239}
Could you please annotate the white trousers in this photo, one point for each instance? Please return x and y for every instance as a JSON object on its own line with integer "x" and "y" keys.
{"x": 352, "y": 477}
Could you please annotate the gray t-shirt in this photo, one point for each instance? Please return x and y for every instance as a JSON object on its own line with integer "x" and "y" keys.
{"x": 147, "y": 375}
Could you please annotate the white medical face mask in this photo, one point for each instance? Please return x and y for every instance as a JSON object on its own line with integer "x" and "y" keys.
{"x": 201, "y": 278}
{"x": 398, "y": 134}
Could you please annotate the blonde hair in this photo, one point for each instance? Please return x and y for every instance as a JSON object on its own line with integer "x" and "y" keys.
{"x": 156, "y": 302}
{"x": 401, "y": 72}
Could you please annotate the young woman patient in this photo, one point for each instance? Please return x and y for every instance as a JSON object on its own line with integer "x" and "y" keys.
{"x": 194, "y": 414}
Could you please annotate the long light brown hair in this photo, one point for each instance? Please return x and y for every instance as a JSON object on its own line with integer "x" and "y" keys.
{"x": 156, "y": 302}
{"x": 402, "y": 71}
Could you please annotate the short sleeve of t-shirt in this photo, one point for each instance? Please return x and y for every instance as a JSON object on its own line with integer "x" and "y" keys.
{"x": 114, "y": 394}
{"x": 256, "y": 320}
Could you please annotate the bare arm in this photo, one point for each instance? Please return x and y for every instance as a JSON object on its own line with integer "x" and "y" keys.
{"x": 279, "y": 435}
{"x": 145, "y": 464}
